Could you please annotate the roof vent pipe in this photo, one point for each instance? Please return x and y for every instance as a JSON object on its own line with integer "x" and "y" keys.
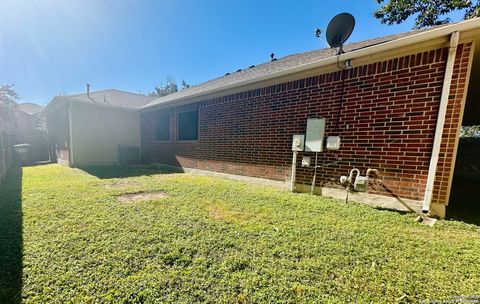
{"x": 88, "y": 90}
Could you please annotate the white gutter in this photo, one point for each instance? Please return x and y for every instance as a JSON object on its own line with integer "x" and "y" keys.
{"x": 70, "y": 135}
{"x": 386, "y": 46}
{"x": 447, "y": 81}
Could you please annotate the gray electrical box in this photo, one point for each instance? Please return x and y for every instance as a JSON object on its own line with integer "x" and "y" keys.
{"x": 333, "y": 143}
{"x": 315, "y": 134}
{"x": 306, "y": 161}
{"x": 298, "y": 142}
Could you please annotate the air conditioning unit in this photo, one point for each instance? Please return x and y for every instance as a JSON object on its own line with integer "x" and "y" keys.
{"x": 129, "y": 155}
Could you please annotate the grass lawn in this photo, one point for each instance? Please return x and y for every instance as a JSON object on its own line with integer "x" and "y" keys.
{"x": 217, "y": 241}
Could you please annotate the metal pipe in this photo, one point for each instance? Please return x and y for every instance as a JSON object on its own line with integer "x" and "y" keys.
{"x": 88, "y": 90}
{"x": 312, "y": 188}
{"x": 294, "y": 169}
{"x": 350, "y": 176}
{"x": 447, "y": 81}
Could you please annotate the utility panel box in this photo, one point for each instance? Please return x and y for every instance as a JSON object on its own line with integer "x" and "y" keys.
{"x": 306, "y": 161}
{"x": 315, "y": 134}
{"x": 298, "y": 142}
{"x": 333, "y": 143}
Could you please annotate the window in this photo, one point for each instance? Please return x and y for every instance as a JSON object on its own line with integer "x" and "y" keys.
{"x": 188, "y": 125}
{"x": 162, "y": 127}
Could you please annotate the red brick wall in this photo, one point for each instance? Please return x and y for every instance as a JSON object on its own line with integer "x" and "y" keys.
{"x": 387, "y": 122}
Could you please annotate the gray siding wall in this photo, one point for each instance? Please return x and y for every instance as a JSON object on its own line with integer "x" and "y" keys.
{"x": 97, "y": 132}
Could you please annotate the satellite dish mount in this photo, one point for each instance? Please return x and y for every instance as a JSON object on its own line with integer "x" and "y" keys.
{"x": 339, "y": 30}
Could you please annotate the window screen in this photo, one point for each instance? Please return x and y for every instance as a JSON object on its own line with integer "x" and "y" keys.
{"x": 162, "y": 127}
{"x": 188, "y": 125}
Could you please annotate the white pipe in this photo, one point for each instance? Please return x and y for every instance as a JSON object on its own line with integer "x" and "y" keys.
{"x": 447, "y": 81}
{"x": 294, "y": 169}
{"x": 312, "y": 188}
{"x": 350, "y": 176}
{"x": 70, "y": 135}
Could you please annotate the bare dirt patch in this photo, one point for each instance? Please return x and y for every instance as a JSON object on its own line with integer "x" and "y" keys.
{"x": 220, "y": 213}
{"x": 140, "y": 197}
{"x": 121, "y": 184}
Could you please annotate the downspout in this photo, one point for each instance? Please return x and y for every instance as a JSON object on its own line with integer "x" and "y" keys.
{"x": 70, "y": 134}
{"x": 139, "y": 116}
{"x": 437, "y": 141}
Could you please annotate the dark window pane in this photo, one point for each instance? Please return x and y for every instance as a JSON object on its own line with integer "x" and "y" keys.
{"x": 162, "y": 127}
{"x": 188, "y": 125}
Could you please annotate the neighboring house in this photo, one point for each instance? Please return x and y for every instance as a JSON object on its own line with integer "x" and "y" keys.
{"x": 30, "y": 108}
{"x": 8, "y": 129}
{"x": 95, "y": 128}
{"x": 29, "y": 131}
{"x": 385, "y": 108}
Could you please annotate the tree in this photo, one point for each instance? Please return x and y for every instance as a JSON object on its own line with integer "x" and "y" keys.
{"x": 184, "y": 85}
{"x": 427, "y": 12}
{"x": 8, "y": 96}
{"x": 470, "y": 131}
{"x": 170, "y": 86}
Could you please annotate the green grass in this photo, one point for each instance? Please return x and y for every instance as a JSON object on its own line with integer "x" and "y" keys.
{"x": 217, "y": 241}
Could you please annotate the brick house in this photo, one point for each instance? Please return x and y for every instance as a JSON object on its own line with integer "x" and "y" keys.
{"x": 397, "y": 109}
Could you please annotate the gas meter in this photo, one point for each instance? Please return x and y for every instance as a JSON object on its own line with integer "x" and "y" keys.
{"x": 298, "y": 142}
{"x": 360, "y": 183}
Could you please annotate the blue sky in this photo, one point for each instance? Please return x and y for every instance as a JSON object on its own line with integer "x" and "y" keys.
{"x": 51, "y": 47}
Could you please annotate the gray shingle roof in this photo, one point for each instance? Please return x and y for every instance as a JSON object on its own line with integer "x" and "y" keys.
{"x": 30, "y": 108}
{"x": 275, "y": 66}
{"x": 115, "y": 98}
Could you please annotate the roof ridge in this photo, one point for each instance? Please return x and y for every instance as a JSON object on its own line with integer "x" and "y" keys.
{"x": 84, "y": 93}
{"x": 106, "y": 90}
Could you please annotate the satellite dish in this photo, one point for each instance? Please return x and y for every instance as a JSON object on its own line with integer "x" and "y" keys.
{"x": 339, "y": 29}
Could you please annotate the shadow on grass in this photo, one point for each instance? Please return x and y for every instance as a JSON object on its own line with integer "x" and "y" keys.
{"x": 467, "y": 211}
{"x": 464, "y": 203}
{"x": 106, "y": 172}
{"x": 402, "y": 212}
{"x": 11, "y": 249}
{"x": 38, "y": 163}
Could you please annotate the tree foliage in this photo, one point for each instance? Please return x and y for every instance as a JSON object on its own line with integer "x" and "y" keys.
{"x": 427, "y": 12}
{"x": 168, "y": 87}
{"x": 470, "y": 131}
{"x": 8, "y": 95}
{"x": 184, "y": 85}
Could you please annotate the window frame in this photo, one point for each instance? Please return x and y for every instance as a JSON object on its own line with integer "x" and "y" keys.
{"x": 155, "y": 125}
{"x": 178, "y": 127}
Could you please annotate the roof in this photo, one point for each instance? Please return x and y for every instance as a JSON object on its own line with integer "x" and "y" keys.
{"x": 294, "y": 63}
{"x": 30, "y": 108}
{"x": 112, "y": 97}
{"x": 270, "y": 67}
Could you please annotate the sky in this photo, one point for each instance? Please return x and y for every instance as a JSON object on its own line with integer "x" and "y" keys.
{"x": 53, "y": 47}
